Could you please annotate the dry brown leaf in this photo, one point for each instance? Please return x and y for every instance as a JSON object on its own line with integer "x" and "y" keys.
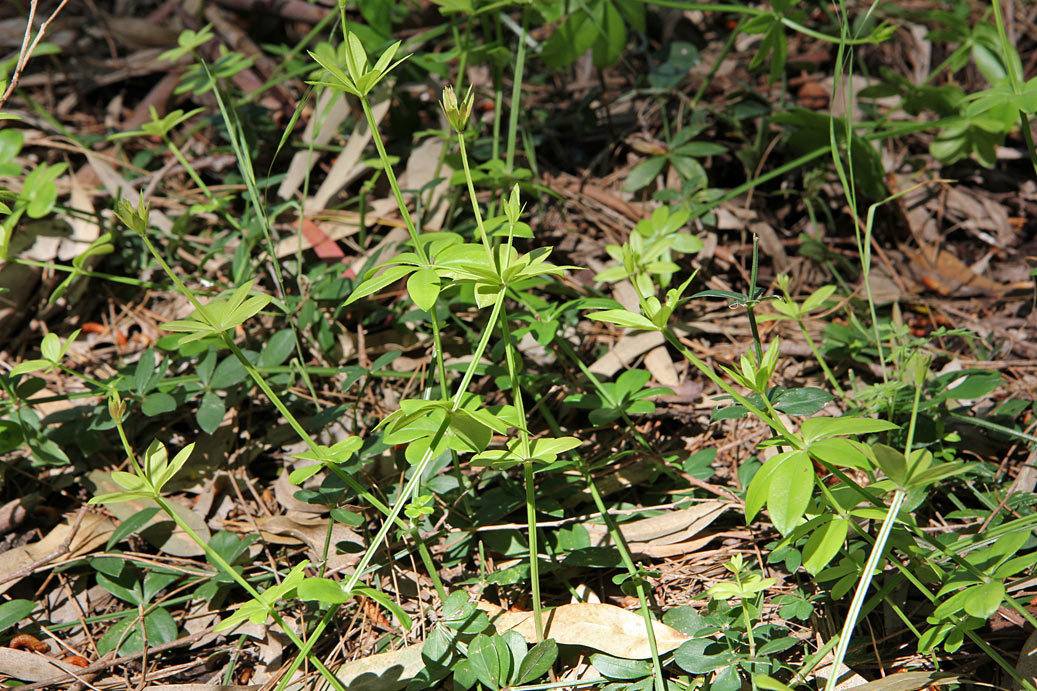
{"x": 382, "y": 672}
{"x": 422, "y": 168}
{"x": 627, "y": 476}
{"x": 347, "y": 167}
{"x": 666, "y": 535}
{"x": 626, "y": 350}
{"x": 311, "y": 531}
{"x": 951, "y": 275}
{"x": 607, "y": 628}
{"x": 668, "y": 527}
{"x": 329, "y": 112}
{"x": 907, "y": 681}
{"x": 284, "y": 492}
{"x": 659, "y": 364}
{"x": 93, "y": 532}
{"x": 30, "y": 667}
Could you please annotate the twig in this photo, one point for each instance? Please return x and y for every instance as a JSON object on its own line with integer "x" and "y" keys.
{"x": 61, "y": 550}
{"x": 28, "y": 48}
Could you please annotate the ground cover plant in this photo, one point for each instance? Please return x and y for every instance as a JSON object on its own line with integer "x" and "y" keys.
{"x": 467, "y": 344}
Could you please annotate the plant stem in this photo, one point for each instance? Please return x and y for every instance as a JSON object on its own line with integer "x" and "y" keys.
{"x": 772, "y": 422}
{"x": 511, "y": 355}
{"x": 222, "y": 564}
{"x": 874, "y": 558}
{"x": 516, "y": 97}
{"x": 624, "y": 552}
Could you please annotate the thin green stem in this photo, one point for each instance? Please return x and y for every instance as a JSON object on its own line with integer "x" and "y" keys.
{"x": 624, "y": 552}
{"x": 862, "y": 587}
{"x": 516, "y": 97}
{"x": 474, "y": 200}
{"x": 391, "y": 177}
{"x": 829, "y": 375}
{"x": 771, "y": 421}
{"x": 213, "y": 556}
{"x": 511, "y": 356}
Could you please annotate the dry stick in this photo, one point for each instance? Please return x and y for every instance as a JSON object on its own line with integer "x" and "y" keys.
{"x": 61, "y": 550}
{"x": 27, "y": 48}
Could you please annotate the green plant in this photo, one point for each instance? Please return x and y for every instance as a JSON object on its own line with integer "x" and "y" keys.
{"x": 650, "y": 249}
{"x": 681, "y": 153}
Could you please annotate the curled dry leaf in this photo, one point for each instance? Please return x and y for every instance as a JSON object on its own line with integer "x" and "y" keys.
{"x": 30, "y": 667}
{"x": 668, "y": 534}
{"x": 382, "y": 672}
{"x": 93, "y": 532}
{"x": 26, "y": 641}
{"x": 606, "y": 628}
{"x": 908, "y": 681}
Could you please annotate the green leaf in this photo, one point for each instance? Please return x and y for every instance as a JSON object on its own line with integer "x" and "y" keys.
{"x": 936, "y": 473}
{"x": 376, "y": 283}
{"x": 29, "y": 366}
{"x": 537, "y": 661}
{"x": 128, "y": 481}
{"x": 277, "y": 349}
{"x": 210, "y": 412}
{"x": 423, "y": 286}
{"x": 791, "y": 486}
{"x": 818, "y": 297}
{"x": 157, "y": 403}
{"x": 51, "y": 347}
{"x": 820, "y": 427}
{"x": 644, "y": 173}
{"x": 159, "y": 626}
{"x": 702, "y": 655}
{"x": 756, "y": 494}
{"x": 169, "y": 472}
{"x": 691, "y": 171}
{"x": 323, "y": 590}
{"x": 570, "y": 40}
{"x": 620, "y": 668}
{"x": 807, "y": 400}
{"x": 130, "y": 526}
{"x": 11, "y": 141}
{"x": 612, "y": 38}
{"x": 840, "y": 452}
{"x": 824, "y": 544}
{"x": 484, "y": 658}
{"x": 983, "y": 600}
{"x": 624, "y": 318}
{"x": 891, "y": 462}
{"x": 14, "y": 611}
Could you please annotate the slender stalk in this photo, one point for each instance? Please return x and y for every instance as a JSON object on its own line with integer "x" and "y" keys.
{"x": 511, "y": 355}
{"x": 222, "y": 564}
{"x": 862, "y": 587}
{"x": 475, "y": 201}
{"x": 372, "y": 124}
{"x": 829, "y": 375}
{"x": 624, "y": 552}
{"x": 771, "y": 421}
{"x": 516, "y": 97}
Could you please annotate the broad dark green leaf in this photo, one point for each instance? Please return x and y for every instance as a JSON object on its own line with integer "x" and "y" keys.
{"x": 13, "y": 611}
{"x": 157, "y": 403}
{"x": 130, "y": 526}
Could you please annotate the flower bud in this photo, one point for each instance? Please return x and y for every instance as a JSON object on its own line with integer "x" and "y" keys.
{"x": 457, "y": 115}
